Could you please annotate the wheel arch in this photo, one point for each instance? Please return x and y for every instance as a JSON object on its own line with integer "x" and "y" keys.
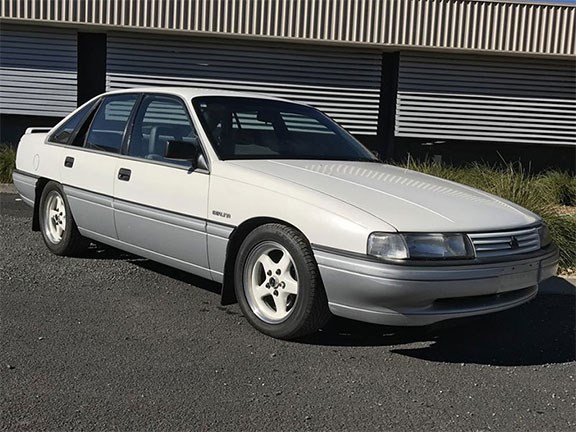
{"x": 228, "y": 295}
{"x": 40, "y": 185}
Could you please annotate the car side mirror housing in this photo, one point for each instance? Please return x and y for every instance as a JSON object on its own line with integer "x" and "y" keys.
{"x": 182, "y": 150}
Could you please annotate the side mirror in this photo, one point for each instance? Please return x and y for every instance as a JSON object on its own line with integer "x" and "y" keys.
{"x": 182, "y": 150}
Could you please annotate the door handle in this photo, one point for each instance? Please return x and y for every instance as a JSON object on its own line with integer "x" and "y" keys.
{"x": 69, "y": 162}
{"x": 124, "y": 174}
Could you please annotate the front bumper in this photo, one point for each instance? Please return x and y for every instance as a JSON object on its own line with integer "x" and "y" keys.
{"x": 412, "y": 295}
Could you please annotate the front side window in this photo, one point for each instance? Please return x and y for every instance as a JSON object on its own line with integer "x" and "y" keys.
{"x": 251, "y": 128}
{"x": 64, "y": 134}
{"x": 106, "y": 132}
{"x": 160, "y": 119}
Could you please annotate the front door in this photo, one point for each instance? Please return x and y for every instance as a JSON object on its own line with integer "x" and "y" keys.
{"x": 160, "y": 205}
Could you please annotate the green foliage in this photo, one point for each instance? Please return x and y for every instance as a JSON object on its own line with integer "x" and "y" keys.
{"x": 7, "y": 163}
{"x": 559, "y": 187}
{"x": 551, "y": 194}
{"x": 563, "y": 230}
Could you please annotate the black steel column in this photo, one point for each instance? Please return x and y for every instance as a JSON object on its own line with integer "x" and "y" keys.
{"x": 91, "y": 66}
{"x": 387, "y": 110}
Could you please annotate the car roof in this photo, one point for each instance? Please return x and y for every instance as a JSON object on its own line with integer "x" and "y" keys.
{"x": 192, "y": 92}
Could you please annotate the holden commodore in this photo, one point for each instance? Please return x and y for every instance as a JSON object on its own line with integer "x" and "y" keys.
{"x": 275, "y": 201}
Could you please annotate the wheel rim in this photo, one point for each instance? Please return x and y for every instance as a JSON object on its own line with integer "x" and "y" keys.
{"x": 54, "y": 217}
{"x": 271, "y": 282}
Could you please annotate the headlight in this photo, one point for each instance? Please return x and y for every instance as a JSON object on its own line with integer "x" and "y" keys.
{"x": 545, "y": 237}
{"x": 384, "y": 245}
{"x": 419, "y": 246}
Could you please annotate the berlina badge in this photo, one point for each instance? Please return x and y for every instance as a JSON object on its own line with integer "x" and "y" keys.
{"x": 221, "y": 214}
{"x": 514, "y": 244}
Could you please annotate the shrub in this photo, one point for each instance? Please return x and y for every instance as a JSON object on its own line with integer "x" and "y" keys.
{"x": 551, "y": 194}
{"x": 563, "y": 231}
{"x": 559, "y": 186}
{"x": 7, "y": 163}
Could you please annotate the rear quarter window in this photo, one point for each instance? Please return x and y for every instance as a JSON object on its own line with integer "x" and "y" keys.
{"x": 65, "y": 133}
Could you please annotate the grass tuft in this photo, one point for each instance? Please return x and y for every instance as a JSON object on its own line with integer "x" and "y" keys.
{"x": 559, "y": 187}
{"x": 7, "y": 163}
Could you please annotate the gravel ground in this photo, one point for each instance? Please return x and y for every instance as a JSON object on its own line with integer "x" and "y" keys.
{"x": 112, "y": 341}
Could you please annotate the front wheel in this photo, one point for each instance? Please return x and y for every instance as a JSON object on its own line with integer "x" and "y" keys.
{"x": 58, "y": 228}
{"x": 278, "y": 284}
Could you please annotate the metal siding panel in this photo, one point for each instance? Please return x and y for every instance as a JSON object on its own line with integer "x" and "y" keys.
{"x": 37, "y": 71}
{"x": 343, "y": 83}
{"x": 486, "y": 99}
{"x": 395, "y": 23}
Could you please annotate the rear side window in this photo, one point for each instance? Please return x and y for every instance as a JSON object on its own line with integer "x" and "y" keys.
{"x": 64, "y": 133}
{"x": 106, "y": 132}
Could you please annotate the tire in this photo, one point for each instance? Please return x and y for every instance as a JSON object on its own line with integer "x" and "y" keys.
{"x": 278, "y": 284}
{"x": 57, "y": 225}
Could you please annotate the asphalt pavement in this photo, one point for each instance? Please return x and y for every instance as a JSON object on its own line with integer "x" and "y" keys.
{"x": 111, "y": 341}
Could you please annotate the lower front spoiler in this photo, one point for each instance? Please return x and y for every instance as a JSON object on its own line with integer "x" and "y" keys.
{"x": 402, "y": 295}
{"x": 386, "y": 316}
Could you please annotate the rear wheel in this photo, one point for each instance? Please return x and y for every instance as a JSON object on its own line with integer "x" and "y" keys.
{"x": 278, "y": 284}
{"x": 58, "y": 228}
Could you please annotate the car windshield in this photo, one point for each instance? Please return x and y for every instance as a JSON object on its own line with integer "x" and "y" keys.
{"x": 251, "y": 128}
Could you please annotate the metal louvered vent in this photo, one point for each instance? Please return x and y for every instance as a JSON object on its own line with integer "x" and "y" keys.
{"x": 343, "y": 83}
{"x": 37, "y": 71}
{"x": 487, "y": 99}
{"x": 489, "y": 245}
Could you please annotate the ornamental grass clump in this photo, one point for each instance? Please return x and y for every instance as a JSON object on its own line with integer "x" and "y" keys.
{"x": 7, "y": 163}
{"x": 559, "y": 187}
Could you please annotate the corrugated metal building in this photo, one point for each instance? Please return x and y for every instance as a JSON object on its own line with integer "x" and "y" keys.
{"x": 457, "y": 78}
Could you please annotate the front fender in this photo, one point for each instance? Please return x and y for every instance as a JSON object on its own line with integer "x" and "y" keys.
{"x": 324, "y": 220}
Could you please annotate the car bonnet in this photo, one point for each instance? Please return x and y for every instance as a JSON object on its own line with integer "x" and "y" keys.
{"x": 408, "y": 200}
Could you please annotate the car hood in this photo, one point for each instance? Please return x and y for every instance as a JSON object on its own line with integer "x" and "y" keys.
{"x": 407, "y": 200}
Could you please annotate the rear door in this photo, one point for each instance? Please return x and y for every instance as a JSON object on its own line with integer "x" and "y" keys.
{"x": 89, "y": 169}
{"x": 161, "y": 204}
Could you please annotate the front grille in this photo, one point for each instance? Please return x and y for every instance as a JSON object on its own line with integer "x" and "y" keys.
{"x": 488, "y": 245}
